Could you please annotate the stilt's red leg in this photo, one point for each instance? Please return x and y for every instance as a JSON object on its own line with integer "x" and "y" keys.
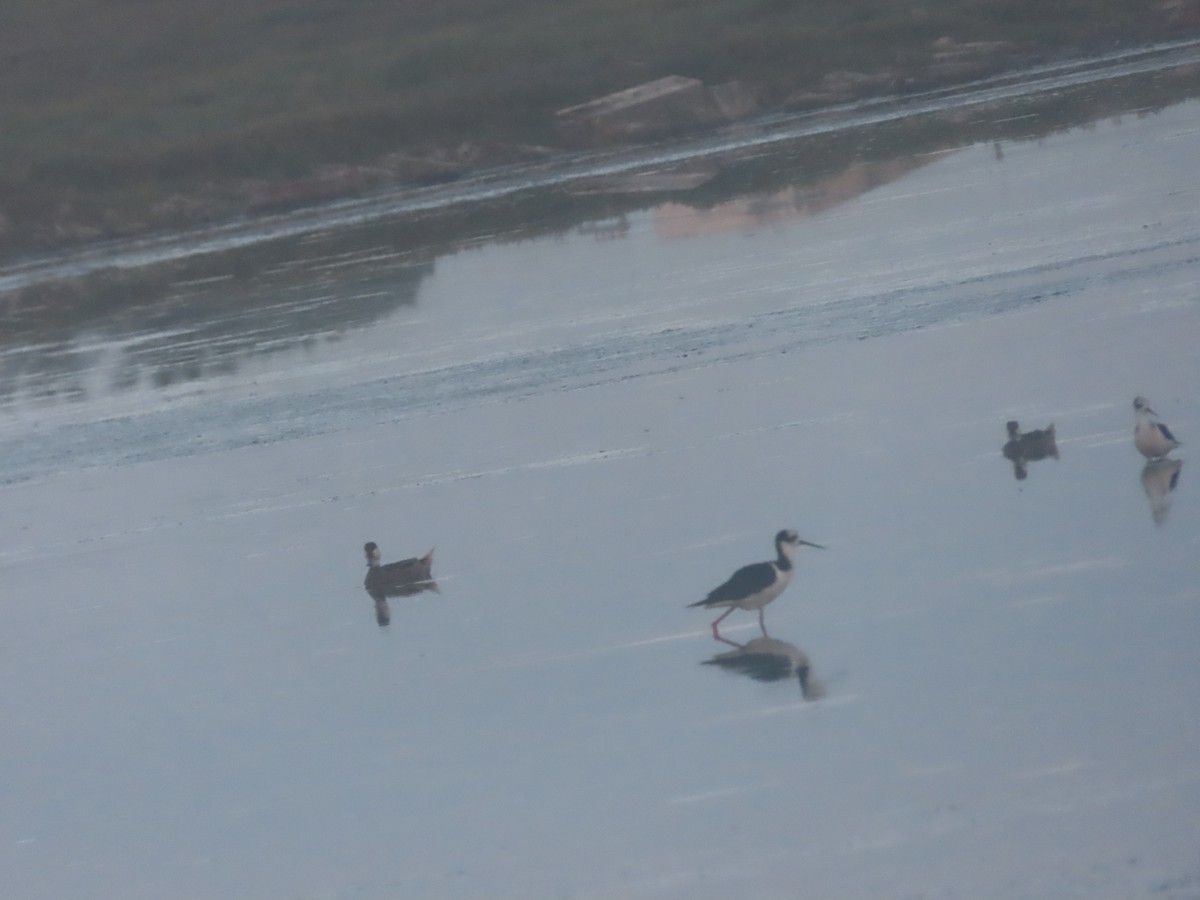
{"x": 720, "y": 618}
{"x": 761, "y": 623}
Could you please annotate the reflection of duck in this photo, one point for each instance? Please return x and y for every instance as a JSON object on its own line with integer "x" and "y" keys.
{"x": 769, "y": 659}
{"x": 1020, "y": 472}
{"x": 1159, "y": 478}
{"x": 397, "y": 579}
{"x": 1152, "y": 438}
{"x": 756, "y": 585}
{"x": 1028, "y": 447}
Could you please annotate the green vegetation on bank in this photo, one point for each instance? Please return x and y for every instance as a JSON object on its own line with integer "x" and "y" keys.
{"x": 110, "y": 109}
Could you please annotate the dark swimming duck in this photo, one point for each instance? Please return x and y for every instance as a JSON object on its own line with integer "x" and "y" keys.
{"x": 1032, "y": 445}
{"x": 1028, "y": 447}
{"x": 397, "y": 579}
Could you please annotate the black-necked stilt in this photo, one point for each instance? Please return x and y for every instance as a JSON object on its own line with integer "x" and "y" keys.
{"x": 770, "y": 659}
{"x": 1159, "y": 478}
{"x": 398, "y": 579}
{"x": 756, "y": 585}
{"x": 1152, "y": 438}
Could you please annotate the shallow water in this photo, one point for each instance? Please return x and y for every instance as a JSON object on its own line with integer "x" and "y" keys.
{"x": 594, "y": 428}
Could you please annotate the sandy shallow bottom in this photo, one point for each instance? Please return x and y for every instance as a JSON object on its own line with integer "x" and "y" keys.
{"x": 594, "y": 433}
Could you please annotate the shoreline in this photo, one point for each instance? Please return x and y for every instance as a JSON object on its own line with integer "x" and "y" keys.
{"x": 242, "y": 204}
{"x": 551, "y": 168}
{"x": 40, "y": 294}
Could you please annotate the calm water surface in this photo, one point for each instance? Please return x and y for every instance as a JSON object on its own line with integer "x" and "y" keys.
{"x": 594, "y": 428}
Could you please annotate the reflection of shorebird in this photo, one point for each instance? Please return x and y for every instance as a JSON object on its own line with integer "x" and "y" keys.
{"x": 397, "y": 579}
{"x": 756, "y": 585}
{"x": 1159, "y": 478}
{"x": 769, "y": 659}
{"x": 1152, "y": 438}
{"x": 1028, "y": 447}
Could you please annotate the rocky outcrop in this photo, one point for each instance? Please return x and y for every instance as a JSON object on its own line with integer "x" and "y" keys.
{"x": 843, "y": 86}
{"x": 955, "y": 61}
{"x": 326, "y": 183}
{"x": 734, "y": 100}
{"x": 948, "y": 61}
{"x": 655, "y": 109}
{"x": 1177, "y": 14}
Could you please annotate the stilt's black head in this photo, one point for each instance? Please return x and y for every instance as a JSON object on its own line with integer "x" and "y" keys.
{"x": 789, "y": 537}
{"x": 1014, "y": 430}
{"x": 372, "y": 550}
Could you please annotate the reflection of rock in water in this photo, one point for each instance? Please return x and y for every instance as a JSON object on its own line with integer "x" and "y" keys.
{"x": 770, "y": 659}
{"x": 398, "y": 579}
{"x": 201, "y": 330}
{"x": 1159, "y": 478}
{"x": 673, "y": 221}
{"x": 1029, "y": 447}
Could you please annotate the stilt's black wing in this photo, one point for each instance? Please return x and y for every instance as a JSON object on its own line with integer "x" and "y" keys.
{"x": 743, "y": 583}
{"x": 759, "y": 666}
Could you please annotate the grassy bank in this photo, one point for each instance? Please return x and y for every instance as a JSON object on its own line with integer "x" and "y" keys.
{"x": 127, "y": 115}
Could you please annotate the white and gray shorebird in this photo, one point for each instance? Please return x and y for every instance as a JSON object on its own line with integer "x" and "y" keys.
{"x": 756, "y": 585}
{"x": 1152, "y": 438}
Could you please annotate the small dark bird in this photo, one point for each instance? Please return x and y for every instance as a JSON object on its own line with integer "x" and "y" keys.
{"x": 1031, "y": 445}
{"x": 769, "y": 659}
{"x": 756, "y": 585}
{"x": 1028, "y": 447}
{"x": 397, "y": 579}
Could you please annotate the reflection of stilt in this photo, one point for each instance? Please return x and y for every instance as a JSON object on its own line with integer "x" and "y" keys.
{"x": 770, "y": 659}
{"x": 383, "y": 615}
{"x": 1159, "y": 478}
